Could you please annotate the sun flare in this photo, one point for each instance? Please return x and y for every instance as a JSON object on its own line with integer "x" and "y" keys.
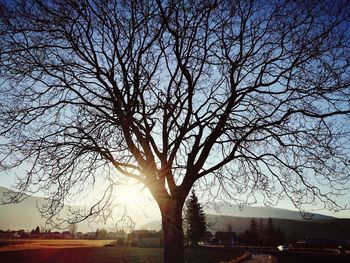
{"x": 132, "y": 196}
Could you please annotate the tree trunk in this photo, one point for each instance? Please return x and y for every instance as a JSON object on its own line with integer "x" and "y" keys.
{"x": 173, "y": 236}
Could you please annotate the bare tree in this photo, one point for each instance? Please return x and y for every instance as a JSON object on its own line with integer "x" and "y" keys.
{"x": 247, "y": 98}
{"x": 73, "y": 228}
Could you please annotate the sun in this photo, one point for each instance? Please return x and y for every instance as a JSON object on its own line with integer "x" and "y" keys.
{"x": 132, "y": 196}
{"x": 135, "y": 202}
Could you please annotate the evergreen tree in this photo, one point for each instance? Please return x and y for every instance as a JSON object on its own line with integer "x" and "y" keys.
{"x": 261, "y": 228}
{"x": 254, "y": 228}
{"x": 195, "y": 220}
{"x": 229, "y": 228}
{"x": 269, "y": 226}
{"x": 270, "y": 231}
{"x": 254, "y": 232}
{"x": 274, "y": 235}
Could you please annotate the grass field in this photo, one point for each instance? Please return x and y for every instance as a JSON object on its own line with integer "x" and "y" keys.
{"x": 94, "y": 251}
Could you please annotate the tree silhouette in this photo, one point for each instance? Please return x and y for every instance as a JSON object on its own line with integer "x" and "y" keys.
{"x": 274, "y": 235}
{"x": 101, "y": 233}
{"x": 242, "y": 97}
{"x": 73, "y": 228}
{"x": 253, "y": 230}
{"x": 269, "y": 225}
{"x": 229, "y": 228}
{"x": 261, "y": 229}
{"x": 195, "y": 220}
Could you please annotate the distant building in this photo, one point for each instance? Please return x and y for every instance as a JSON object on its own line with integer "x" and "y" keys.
{"x": 145, "y": 238}
{"x": 226, "y": 238}
{"x": 90, "y": 235}
{"x": 207, "y": 237}
{"x": 67, "y": 235}
{"x": 79, "y": 235}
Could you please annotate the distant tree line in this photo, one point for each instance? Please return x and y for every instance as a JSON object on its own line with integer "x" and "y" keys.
{"x": 262, "y": 234}
{"x": 195, "y": 225}
{"x": 71, "y": 233}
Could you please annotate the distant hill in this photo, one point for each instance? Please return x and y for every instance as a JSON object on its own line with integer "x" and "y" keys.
{"x": 223, "y": 210}
{"x": 26, "y": 216}
{"x": 332, "y": 228}
{"x": 260, "y": 212}
{"x": 153, "y": 225}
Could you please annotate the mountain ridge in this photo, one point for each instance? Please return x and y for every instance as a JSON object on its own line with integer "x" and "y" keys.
{"x": 225, "y": 209}
{"x": 25, "y": 215}
{"x": 338, "y": 228}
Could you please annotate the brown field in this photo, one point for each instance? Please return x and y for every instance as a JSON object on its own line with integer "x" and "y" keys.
{"x": 93, "y": 251}
{"x": 25, "y": 244}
